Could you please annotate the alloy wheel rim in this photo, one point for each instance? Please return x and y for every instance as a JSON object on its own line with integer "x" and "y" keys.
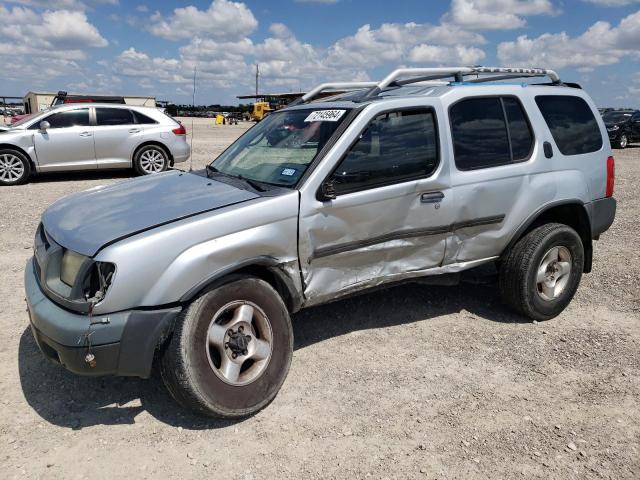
{"x": 554, "y": 273}
{"x": 152, "y": 161}
{"x": 239, "y": 343}
{"x": 11, "y": 168}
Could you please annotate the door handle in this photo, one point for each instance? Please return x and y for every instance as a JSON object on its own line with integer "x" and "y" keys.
{"x": 135, "y": 130}
{"x": 433, "y": 197}
{"x": 85, "y": 134}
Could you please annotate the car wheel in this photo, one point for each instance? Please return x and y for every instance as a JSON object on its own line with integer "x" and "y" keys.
{"x": 150, "y": 159}
{"x": 14, "y": 168}
{"x": 623, "y": 141}
{"x": 230, "y": 351}
{"x": 541, "y": 273}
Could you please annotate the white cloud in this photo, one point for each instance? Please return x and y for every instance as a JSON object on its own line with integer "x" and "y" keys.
{"x": 223, "y": 19}
{"x": 495, "y": 14}
{"x": 458, "y": 55}
{"x": 601, "y": 44}
{"x": 60, "y": 34}
{"x": 393, "y": 42}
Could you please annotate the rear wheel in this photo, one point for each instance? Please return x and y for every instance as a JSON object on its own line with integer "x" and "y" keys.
{"x": 230, "y": 351}
{"x": 150, "y": 159}
{"x": 14, "y": 168}
{"x": 541, "y": 273}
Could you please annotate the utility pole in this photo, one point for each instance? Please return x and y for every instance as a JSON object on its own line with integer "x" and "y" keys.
{"x": 257, "y": 77}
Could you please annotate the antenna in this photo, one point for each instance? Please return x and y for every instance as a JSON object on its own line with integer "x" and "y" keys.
{"x": 193, "y": 105}
{"x": 257, "y": 79}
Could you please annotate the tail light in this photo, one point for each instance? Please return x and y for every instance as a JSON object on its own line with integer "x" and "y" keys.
{"x": 180, "y": 130}
{"x": 611, "y": 175}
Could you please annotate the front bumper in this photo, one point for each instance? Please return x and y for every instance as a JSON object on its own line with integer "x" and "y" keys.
{"x": 123, "y": 343}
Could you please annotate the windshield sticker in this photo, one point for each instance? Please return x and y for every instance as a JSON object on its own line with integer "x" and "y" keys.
{"x": 289, "y": 172}
{"x": 325, "y": 116}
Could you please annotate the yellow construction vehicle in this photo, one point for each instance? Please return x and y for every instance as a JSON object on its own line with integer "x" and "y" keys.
{"x": 260, "y": 110}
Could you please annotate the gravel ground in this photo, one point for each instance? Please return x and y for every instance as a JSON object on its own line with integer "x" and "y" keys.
{"x": 413, "y": 382}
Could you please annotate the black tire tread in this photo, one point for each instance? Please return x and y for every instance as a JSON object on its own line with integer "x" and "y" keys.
{"x": 516, "y": 265}
{"x": 176, "y": 370}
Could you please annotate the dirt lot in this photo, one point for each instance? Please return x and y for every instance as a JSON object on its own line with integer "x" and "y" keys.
{"x": 414, "y": 382}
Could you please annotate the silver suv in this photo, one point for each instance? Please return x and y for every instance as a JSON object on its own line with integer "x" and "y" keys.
{"x": 90, "y": 137}
{"x": 429, "y": 172}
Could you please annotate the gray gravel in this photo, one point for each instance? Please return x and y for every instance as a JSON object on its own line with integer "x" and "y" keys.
{"x": 413, "y": 382}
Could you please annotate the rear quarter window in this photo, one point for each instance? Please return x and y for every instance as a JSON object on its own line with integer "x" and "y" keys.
{"x": 571, "y": 122}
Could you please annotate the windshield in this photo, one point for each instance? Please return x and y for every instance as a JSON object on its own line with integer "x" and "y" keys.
{"x": 279, "y": 149}
{"x": 616, "y": 117}
{"x": 24, "y": 120}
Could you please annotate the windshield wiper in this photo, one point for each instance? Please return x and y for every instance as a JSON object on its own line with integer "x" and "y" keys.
{"x": 255, "y": 184}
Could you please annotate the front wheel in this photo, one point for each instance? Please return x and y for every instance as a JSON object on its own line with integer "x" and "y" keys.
{"x": 150, "y": 159}
{"x": 541, "y": 273}
{"x": 14, "y": 168}
{"x": 230, "y": 351}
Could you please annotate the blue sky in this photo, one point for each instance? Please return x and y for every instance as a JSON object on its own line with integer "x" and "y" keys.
{"x": 144, "y": 47}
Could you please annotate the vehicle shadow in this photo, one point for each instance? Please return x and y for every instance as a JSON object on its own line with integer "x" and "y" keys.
{"x": 76, "y": 402}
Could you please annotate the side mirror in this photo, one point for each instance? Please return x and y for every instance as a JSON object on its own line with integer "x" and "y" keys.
{"x": 44, "y": 126}
{"x": 327, "y": 191}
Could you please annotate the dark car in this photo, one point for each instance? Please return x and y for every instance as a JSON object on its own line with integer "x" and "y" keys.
{"x": 623, "y": 127}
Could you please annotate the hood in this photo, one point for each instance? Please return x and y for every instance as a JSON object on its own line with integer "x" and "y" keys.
{"x": 84, "y": 222}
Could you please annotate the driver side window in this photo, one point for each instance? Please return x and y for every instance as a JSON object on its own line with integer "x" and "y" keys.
{"x": 69, "y": 118}
{"x": 396, "y": 147}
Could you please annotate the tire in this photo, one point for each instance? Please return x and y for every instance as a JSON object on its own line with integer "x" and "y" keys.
{"x": 522, "y": 265}
{"x": 192, "y": 367}
{"x": 15, "y": 168}
{"x": 150, "y": 159}
{"x": 622, "y": 142}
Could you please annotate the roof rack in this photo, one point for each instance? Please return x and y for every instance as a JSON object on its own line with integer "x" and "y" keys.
{"x": 311, "y": 94}
{"x": 406, "y": 76}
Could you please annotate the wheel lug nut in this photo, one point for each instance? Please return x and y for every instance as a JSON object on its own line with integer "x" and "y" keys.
{"x": 234, "y": 355}
{"x": 241, "y": 328}
{"x": 226, "y": 345}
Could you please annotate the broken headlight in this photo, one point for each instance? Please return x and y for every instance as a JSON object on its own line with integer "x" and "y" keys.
{"x": 70, "y": 266}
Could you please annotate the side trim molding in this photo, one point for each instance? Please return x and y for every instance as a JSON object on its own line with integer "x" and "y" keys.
{"x": 401, "y": 234}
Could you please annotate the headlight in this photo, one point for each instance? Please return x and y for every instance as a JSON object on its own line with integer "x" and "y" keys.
{"x": 71, "y": 263}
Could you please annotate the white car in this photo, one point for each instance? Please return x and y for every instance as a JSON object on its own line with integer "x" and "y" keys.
{"x": 91, "y": 137}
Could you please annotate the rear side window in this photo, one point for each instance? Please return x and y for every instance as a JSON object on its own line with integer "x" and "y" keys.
{"x": 142, "y": 119}
{"x": 489, "y": 131}
{"x": 572, "y": 124}
{"x": 113, "y": 116}
{"x": 70, "y": 118}
{"x": 395, "y": 147}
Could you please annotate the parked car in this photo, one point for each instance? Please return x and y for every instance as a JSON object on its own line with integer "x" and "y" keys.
{"x": 623, "y": 127}
{"x": 391, "y": 182}
{"x": 90, "y": 137}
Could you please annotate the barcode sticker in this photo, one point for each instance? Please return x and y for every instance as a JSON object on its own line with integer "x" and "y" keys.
{"x": 325, "y": 116}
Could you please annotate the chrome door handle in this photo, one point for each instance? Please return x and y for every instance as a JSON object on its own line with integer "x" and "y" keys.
{"x": 135, "y": 130}
{"x": 85, "y": 134}
{"x": 433, "y": 197}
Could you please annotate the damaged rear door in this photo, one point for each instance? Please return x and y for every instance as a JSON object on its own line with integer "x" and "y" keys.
{"x": 391, "y": 213}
